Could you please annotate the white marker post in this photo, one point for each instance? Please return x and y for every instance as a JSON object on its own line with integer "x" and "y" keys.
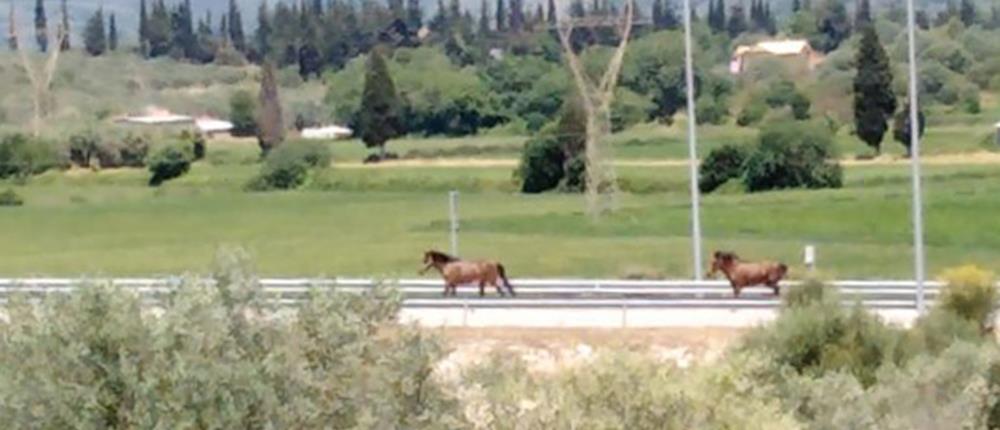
{"x": 453, "y": 217}
{"x": 918, "y": 207}
{"x": 692, "y": 150}
{"x": 809, "y": 257}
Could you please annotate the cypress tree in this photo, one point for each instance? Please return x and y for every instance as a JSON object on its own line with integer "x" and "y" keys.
{"x": 236, "y": 34}
{"x": 263, "y": 35}
{"x": 112, "y": 33}
{"x": 158, "y": 30}
{"x": 657, "y": 14}
{"x": 95, "y": 39}
{"x": 967, "y": 13}
{"x": 143, "y": 25}
{"x": 516, "y": 22}
{"x": 501, "y": 17}
{"x": 270, "y": 125}
{"x": 484, "y": 19}
{"x": 12, "y": 29}
{"x": 64, "y": 44}
{"x": 41, "y": 26}
{"x": 863, "y": 16}
{"x": 551, "y": 18}
{"x": 874, "y": 101}
{"x": 796, "y": 6}
{"x": 379, "y": 116}
{"x": 834, "y": 25}
{"x": 737, "y": 20}
{"x": 414, "y": 15}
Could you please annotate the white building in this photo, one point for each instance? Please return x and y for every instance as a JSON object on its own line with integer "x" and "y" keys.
{"x": 326, "y": 132}
{"x": 795, "y": 52}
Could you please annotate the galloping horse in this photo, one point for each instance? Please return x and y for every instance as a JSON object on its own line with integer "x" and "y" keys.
{"x": 742, "y": 275}
{"x": 456, "y": 272}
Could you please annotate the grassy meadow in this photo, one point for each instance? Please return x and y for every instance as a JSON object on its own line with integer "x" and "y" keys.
{"x": 356, "y": 221}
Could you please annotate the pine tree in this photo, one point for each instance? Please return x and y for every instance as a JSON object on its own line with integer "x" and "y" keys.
{"x": 796, "y": 6}
{"x": 379, "y": 116}
{"x": 270, "y": 124}
{"x": 264, "y": 30}
{"x": 516, "y": 22}
{"x": 874, "y": 101}
{"x": 968, "y": 13}
{"x": 64, "y": 44}
{"x": 834, "y": 25}
{"x": 551, "y": 18}
{"x": 12, "y": 29}
{"x": 112, "y": 33}
{"x": 95, "y": 40}
{"x": 414, "y": 15}
{"x": 576, "y": 9}
{"x": 41, "y": 27}
{"x": 737, "y": 20}
{"x": 901, "y": 126}
{"x": 863, "y": 16}
{"x": 236, "y": 34}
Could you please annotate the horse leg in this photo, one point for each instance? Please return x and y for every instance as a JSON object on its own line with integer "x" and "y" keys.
{"x": 482, "y": 288}
{"x": 497, "y": 286}
{"x": 777, "y": 288}
{"x": 736, "y": 290}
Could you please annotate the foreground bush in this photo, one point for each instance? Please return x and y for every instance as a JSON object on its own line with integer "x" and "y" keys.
{"x": 169, "y": 163}
{"x": 217, "y": 356}
{"x": 970, "y": 293}
{"x": 288, "y": 166}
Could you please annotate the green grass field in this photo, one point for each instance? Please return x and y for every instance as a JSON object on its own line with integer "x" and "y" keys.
{"x": 376, "y": 222}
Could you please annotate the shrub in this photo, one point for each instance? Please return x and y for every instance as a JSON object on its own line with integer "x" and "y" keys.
{"x": 793, "y": 155}
{"x": 83, "y": 147}
{"x": 815, "y": 335}
{"x": 800, "y": 106}
{"x": 711, "y": 110}
{"x": 168, "y": 163}
{"x": 751, "y": 114}
{"x": 220, "y": 355}
{"x": 243, "y": 114}
{"x": 780, "y": 93}
{"x": 134, "y": 150}
{"x": 541, "y": 166}
{"x": 970, "y": 293}
{"x": 21, "y": 157}
{"x": 721, "y": 164}
{"x": 288, "y": 166}
{"x": 10, "y": 198}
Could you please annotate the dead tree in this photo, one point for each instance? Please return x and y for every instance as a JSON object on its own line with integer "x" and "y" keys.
{"x": 596, "y": 97}
{"x": 41, "y": 80}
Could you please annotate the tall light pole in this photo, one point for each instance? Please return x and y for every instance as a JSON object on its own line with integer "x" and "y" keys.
{"x": 692, "y": 150}
{"x": 918, "y": 208}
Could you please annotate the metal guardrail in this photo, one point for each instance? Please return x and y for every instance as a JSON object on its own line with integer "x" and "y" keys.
{"x": 532, "y": 293}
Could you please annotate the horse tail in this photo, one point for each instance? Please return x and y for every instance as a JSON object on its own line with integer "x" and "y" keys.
{"x": 503, "y": 275}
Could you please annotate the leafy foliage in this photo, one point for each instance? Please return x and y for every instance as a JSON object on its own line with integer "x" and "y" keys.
{"x": 168, "y": 163}
{"x": 288, "y": 166}
{"x": 22, "y": 157}
{"x": 721, "y": 165}
{"x": 10, "y": 198}
{"x": 793, "y": 155}
{"x": 970, "y": 293}
{"x": 218, "y": 355}
{"x": 243, "y": 114}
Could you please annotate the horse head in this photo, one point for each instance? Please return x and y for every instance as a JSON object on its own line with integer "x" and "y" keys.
{"x": 722, "y": 261}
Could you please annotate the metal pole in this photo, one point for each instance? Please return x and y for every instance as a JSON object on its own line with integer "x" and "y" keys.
{"x": 692, "y": 150}
{"x": 453, "y": 216}
{"x": 918, "y": 208}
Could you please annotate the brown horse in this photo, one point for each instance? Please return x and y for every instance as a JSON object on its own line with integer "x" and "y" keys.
{"x": 742, "y": 275}
{"x": 456, "y": 272}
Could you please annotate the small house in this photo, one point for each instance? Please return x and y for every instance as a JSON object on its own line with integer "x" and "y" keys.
{"x": 797, "y": 53}
{"x": 326, "y": 133}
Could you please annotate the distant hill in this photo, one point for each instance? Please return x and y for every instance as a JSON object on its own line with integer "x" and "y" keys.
{"x": 127, "y": 11}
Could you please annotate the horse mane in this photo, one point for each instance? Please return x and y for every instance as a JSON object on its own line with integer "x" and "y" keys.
{"x": 441, "y": 257}
{"x": 722, "y": 255}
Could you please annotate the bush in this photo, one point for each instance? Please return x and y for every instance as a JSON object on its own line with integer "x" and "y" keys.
{"x": 793, "y": 155}
{"x": 711, "y": 110}
{"x": 21, "y": 157}
{"x": 134, "y": 150}
{"x": 288, "y": 166}
{"x": 85, "y": 147}
{"x": 970, "y": 293}
{"x": 541, "y": 166}
{"x": 10, "y": 198}
{"x": 82, "y": 148}
{"x": 721, "y": 164}
{"x": 815, "y": 335}
{"x": 800, "y": 106}
{"x": 751, "y": 114}
{"x": 168, "y": 163}
{"x": 780, "y": 93}
{"x": 243, "y": 114}
{"x": 220, "y": 355}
